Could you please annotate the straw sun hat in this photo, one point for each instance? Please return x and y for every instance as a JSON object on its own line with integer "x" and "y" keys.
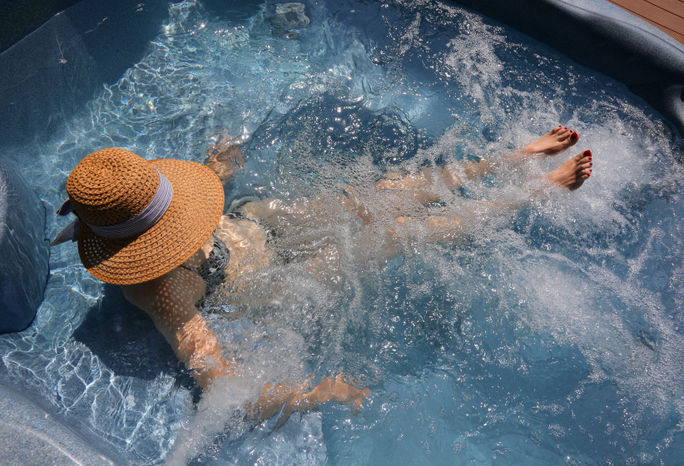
{"x": 139, "y": 219}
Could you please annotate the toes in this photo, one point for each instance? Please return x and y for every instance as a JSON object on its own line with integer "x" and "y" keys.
{"x": 574, "y": 136}
{"x": 565, "y": 137}
{"x": 569, "y": 135}
{"x": 583, "y": 158}
{"x": 565, "y": 132}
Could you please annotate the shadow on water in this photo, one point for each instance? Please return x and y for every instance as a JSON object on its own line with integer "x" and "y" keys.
{"x": 326, "y": 126}
{"x": 126, "y": 340}
{"x": 233, "y": 11}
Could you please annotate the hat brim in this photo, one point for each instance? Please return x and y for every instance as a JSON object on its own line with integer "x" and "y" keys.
{"x": 192, "y": 216}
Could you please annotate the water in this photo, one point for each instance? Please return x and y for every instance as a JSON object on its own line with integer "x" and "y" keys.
{"x": 551, "y": 334}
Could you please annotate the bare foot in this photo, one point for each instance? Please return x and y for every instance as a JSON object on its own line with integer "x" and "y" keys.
{"x": 553, "y": 142}
{"x": 573, "y": 172}
{"x": 225, "y": 157}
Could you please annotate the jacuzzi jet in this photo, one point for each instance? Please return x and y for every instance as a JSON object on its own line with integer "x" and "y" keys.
{"x": 285, "y": 18}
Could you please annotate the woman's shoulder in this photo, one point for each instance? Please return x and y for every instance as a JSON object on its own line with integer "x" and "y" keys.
{"x": 178, "y": 285}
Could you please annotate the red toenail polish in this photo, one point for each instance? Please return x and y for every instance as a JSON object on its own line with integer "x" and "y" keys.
{"x": 587, "y": 153}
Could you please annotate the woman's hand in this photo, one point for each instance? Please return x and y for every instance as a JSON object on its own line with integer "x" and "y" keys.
{"x": 296, "y": 398}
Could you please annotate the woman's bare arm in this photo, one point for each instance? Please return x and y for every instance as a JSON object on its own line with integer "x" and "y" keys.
{"x": 170, "y": 301}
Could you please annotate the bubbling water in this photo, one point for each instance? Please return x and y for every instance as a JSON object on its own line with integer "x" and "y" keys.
{"x": 544, "y": 327}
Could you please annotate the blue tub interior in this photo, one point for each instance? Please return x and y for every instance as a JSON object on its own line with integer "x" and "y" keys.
{"x": 552, "y": 334}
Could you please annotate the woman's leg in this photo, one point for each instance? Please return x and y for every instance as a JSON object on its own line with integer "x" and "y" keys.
{"x": 425, "y": 185}
{"x": 552, "y": 143}
{"x": 278, "y": 214}
{"x": 450, "y": 227}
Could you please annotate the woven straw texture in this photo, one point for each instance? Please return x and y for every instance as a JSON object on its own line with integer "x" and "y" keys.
{"x": 113, "y": 185}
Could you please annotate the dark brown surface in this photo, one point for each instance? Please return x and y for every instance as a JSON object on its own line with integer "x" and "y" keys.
{"x": 666, "y": 15}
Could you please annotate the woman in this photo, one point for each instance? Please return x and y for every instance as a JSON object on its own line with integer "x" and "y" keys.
{"x": 156, "y": 229}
